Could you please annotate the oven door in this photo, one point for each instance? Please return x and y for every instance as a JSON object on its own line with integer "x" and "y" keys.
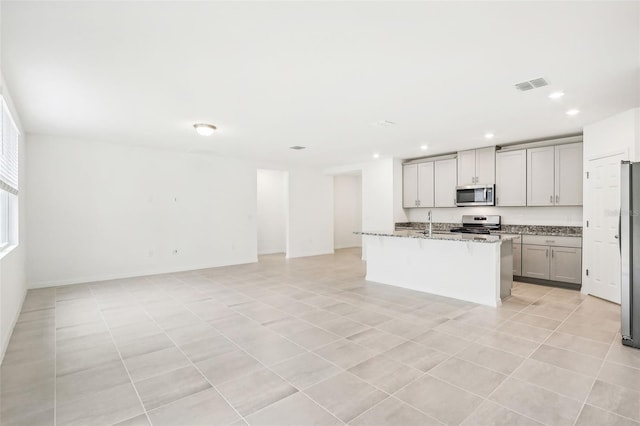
{"x": 475, "y": 195}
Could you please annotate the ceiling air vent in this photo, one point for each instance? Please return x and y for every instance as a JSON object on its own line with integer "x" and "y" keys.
{"x": 531, "y": 84}
{"x": 297, "y": 147}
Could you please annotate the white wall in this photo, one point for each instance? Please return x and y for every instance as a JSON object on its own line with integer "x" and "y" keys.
{"x": 13, "y": 281}
{"x": 347, "y": 211}
{"x": 272, "y": 211}
{"x": 615, "y": 134}
{"x": 568, "y": 216}
{"x": 378, "y": 198}
{"x": 100, "y": 211}
{"x": 310, "y": 213}
{"x": 381, "y": 193}
{"x": 619, "y": 134}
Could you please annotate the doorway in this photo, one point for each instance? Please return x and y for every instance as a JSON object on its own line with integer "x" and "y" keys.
{"x": 347, "y": 210}
{"x": 602, "y": 201}
{"x": 272, "y": 212}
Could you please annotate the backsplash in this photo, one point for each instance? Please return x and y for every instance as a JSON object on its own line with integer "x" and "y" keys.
{"x": 548, "y": 216}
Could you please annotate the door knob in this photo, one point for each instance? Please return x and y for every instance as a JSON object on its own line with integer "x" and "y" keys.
{"x": 616, "y": 236}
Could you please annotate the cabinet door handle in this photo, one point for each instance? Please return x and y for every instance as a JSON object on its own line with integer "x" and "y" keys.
{"x": 557, "y": 199}
{"x": 546, "y": 253}
{"x": 551, "y": 199}
{"x": 551, "y": 253}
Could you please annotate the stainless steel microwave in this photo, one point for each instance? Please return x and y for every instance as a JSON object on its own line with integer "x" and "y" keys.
{"x": 475, "y": 195}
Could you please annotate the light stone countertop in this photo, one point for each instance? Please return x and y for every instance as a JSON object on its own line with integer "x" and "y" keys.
{"x": 448, "y": 236}
{"x": 546, "y": 230}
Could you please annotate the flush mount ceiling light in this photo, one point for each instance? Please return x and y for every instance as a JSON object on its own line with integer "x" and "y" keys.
{"x": 556, "y": 95}
{"x": 573, "y": 112}
{"x": 424, "y": 147}
{"x": 489, "y": 135}
{"x": 376, "y": 155}
{"x": 204, "y": 129}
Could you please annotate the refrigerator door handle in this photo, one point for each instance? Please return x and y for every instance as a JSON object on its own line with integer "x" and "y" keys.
{"x": 625, "y": 244}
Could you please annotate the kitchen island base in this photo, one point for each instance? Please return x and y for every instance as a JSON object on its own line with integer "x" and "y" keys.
{"x": 466, "y": 269}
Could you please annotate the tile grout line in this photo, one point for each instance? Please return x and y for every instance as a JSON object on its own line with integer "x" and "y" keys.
{"x": 604, "y": 361}
{"x": 371, "y": 384}
{"x": 113, "y": 340}
{"x": 237, "y": 346}
{"x": 375, "y": 309}
{"x": 342, "y": 370}
{"x": 529, "y": 357}
{"x": 183, "y": 354}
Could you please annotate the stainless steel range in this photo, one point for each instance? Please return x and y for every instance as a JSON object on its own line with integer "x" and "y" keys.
{"x": 478, "y": 224}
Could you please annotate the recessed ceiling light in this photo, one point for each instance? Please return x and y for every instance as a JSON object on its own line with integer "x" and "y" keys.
{"x": 376, "y": 155}
{"x": 573, "y": 111}
{"x": 556, "y": 95}
{"x": 204, "y": 129}
{"x": 424, "y": 147}
{"x": 489, "y": 135}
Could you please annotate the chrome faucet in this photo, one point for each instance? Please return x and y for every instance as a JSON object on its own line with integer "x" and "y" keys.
{"x": 429, "y": 218}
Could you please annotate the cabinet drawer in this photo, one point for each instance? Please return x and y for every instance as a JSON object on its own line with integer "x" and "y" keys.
{"x": 544, "y": 240}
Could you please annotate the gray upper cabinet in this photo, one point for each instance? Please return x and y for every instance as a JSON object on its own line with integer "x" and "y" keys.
{"x": 477, "y": 166}
{"x": 410, "y": 185}
{"x": 466, "y": 167}
{"x": 417, "y": 185}
{"x": 445, "y": 183}
{"x": 568, "y": 175}
{"x": 511, "y": 178}
{"x": 540, "y": 181}
{"x": 425, "y": 184}
{"x": 554, "y": 175}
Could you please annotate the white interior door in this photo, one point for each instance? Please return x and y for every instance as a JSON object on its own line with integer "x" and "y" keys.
{"x": 602, "y": 208}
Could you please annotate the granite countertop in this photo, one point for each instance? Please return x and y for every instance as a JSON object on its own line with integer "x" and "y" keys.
{"x": 442, "y": 236}
{"x": 555, "y": 231}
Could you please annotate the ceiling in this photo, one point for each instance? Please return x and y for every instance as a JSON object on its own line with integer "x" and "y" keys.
{"x": 319, "y": 74}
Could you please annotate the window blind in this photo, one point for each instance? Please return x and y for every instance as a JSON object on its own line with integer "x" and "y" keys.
{"x": 9, "y": 152}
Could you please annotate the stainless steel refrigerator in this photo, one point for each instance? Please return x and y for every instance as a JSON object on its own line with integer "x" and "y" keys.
{"x": 630, "y": 253}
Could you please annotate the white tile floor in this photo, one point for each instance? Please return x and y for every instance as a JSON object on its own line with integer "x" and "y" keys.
{"x": 309, "y": 341}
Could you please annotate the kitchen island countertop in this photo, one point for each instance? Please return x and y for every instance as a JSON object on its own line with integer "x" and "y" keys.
{"x": 447, "y": 236}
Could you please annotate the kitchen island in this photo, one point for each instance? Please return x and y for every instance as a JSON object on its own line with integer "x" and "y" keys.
{"x": 475, "y": 268}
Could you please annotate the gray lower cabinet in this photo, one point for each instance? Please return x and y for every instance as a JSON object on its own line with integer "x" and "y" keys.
{"x": 550, "y": 262}
{"x": 566, "y": 264}
{"x": 535, "y": 261}
{"x": 517, "y": 259}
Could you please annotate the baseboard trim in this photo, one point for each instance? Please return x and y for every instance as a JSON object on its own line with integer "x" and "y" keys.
{"x": 5, "y": 344}
{"x": 108, "y": 277}
{"x": 548, "y": 283}
{"x": 321, "y": 253}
